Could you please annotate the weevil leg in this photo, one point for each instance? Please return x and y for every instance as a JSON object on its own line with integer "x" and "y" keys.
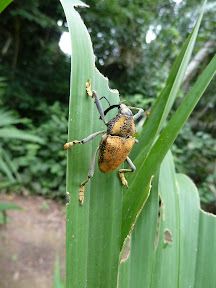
{"x": 122, "y": 171}
{"x": 140, "y": 112}
{"x": 99, "y": 106}
{"x": 93, "y": 94}
{"x": 90, "y": 175}
{"x": 89, "y": 138}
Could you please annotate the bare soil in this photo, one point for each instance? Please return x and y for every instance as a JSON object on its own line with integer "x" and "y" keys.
{"x": 30, "y": 242}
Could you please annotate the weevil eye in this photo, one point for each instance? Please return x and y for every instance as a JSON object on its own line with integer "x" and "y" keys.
{"x": 124, "y": 110}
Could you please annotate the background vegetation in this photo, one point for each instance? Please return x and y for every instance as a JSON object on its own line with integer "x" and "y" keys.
{"x": 36, "y": 88}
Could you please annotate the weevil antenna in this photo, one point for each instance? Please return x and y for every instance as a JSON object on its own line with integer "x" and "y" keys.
{"x": 110, "y": 108}
{"x": 105, "y": 98}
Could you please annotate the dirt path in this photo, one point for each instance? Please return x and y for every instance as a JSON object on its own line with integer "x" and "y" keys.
{"x": 29, "y": 243}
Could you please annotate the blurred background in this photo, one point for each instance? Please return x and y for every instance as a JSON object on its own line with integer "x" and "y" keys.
{"x": 135, "y": 45}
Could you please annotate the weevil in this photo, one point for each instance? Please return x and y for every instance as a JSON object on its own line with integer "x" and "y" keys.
{"x": 116, "y": 142}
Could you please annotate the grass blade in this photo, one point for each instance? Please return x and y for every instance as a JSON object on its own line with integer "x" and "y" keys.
{"x": 58, "y": 282}
{"x": 134, "y": 198}
{"x": 14, "y": 133}
{"x": 9, "y": 206}
{"x": 185, "y": 256}
{"x": 142, "y": 245}
{"x": 166, "y": 260}
{"x": 189, "y": 227}
{"x": 92, "y": 230}
{"x": 4, "y": 4}
{"x": 205, "y": 269}
{"x": 163, "y": 104}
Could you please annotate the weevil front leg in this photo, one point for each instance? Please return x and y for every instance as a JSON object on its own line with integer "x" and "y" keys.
{"x": 90, "y": 175}
{"x": 99, "y": 106}
{"x": 140, "y": 112}
{"x": 94, "y": 95}
{"x": 89, "y": 138}
{"x": 122, "y": 171}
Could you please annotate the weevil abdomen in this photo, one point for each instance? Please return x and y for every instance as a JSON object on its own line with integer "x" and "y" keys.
{"x": 113, "y": 151}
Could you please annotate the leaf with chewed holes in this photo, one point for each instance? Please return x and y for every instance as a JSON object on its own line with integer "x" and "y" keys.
{"x": 94, "y": 229}
{"x": 95, "y": 232}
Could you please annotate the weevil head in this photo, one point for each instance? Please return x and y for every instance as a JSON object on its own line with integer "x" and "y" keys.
{"x": 124, "y": 110}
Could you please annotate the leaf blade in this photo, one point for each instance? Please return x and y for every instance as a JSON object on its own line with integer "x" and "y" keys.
{"x": 4, "y": 4}
{"x": 161, "y": 147}
{"x": 92, "y": 246}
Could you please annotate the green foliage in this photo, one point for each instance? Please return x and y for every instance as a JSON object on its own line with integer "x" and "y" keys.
{"x": 9, "y": 131}
{"x": 38, "y": 79}
{"x": 119, "y": 30}
{"x": 35, "y": 153}
{"x": 8, "y": 206}
{"x": 4, "y": 206}
{"x": 42, "y": 165}
{"x": 58, "y": 282}
{"x": 170, "y": 242}
{"x": 139, "y": 68}
{"x": 92, "y": 246}
{"x": 29, "y": 85}
{"x": 194, "y": 156}
{"x": 4, "y": 4}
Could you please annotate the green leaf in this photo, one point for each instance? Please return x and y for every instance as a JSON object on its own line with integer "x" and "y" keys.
{"x": 9, "y": 206}
{"x": 93, "y": 230}
{"x": 206, "y": 250}
{"x": 198, "y": 230}
{"x": 58, "y": 282}
{"x": 166, "y": 257}
{"x": 163, "y": 104}
{"x": 4, "y": 4}
{"x": 6, "y": 169}
{"x": 96, "y": 230}
{"x": 7, "y": 118}
{"x": 172, "y": 246}
{"x": 148, "y": 165}
{"x": 14, "y": 133}
{"x": 142, "y": 245}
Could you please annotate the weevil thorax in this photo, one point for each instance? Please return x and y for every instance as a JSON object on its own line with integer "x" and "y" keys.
{"x": 122, "y": 124}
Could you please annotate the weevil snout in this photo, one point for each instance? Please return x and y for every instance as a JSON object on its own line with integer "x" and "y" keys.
{"x": 124, "y": 110}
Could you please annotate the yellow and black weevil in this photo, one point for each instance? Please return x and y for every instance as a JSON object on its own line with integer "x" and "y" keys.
{"x": 115, "y": 144}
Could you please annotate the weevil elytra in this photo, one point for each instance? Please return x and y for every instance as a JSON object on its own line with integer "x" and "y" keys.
{"x": 116, "y": 142}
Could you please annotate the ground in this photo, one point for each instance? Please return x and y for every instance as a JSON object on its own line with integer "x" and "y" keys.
{"x": 30, "y": 242}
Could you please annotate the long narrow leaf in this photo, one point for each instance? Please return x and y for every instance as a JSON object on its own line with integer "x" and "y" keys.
{"x": 166, "y": 262}
{"x": 133, "y": 199}
{"x": 189, "y": 210}
{"x": 182, "y": 254}
{"x": 132, "y": 203}
{"x": 10, "y": 165}
{"x": 58, "y": 282}
{"x": 163, "y": 104}
{"x": 9, "y": 206}
{"x": 7, "y": 118}
{"x": 93, "y": 230}
{"x": 205, "y": 269}
{"x": 4, "y": 167}
{"x": 4, "y": 4}
{"x": 13, "y": 133}
{"x": 136, "y": 271}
